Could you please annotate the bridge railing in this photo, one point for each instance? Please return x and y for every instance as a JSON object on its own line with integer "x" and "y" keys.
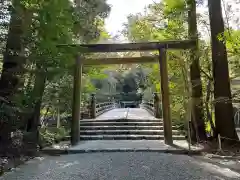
{"x": 103, "y": 107}
{"x": 153, "y": 106}
{"x": 97, "y": 109}
{"x": 237, "y": 119}
{"x": 149, "y": 105}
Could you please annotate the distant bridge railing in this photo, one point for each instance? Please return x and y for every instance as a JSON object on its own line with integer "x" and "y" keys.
{"x": 103, "y": 107}
{"x": 97, "y": 109}
{"x": 148, "y": 105}
{"x": 153, "y": 106}
{"x": 237, "y": 119}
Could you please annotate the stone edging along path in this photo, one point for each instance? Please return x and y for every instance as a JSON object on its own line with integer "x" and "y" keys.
{"x": 121, "y": 146}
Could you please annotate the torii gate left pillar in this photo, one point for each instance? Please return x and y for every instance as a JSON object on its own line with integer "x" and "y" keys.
{"x": 76, "y": 106}
{"x": 167, "y": 122}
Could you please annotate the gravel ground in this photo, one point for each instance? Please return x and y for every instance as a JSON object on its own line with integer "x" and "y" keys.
{"x": 120, "y": 166}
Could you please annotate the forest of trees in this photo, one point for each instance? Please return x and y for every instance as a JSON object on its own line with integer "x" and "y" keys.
{"x": 37, "y": 76}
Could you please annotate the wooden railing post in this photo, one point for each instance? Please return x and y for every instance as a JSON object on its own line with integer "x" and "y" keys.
{"x": 93, "y": 106}
{"x": 156, "y": 105}
{"x": 113, "y": 104}
{"x": 165, "y": 97}
{"x": 76, "y": 107}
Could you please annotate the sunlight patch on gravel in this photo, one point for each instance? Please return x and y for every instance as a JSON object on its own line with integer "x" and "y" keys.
{"x": 214, "y": 168}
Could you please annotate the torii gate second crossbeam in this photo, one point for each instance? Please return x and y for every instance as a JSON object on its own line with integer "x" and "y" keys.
{"x": 148, "y": 46}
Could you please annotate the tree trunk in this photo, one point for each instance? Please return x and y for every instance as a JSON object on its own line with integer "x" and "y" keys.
{"x": 34, "y": 120}
{"x": 208, "y": 112}
{"x": 12, "y": 67}
{"x": 195, "y": 76}
{"x": 222, "y": 92}
{"x": 5, "y": 137}
{"x": 12, "y": 57}
{"x": 58, "y": 118}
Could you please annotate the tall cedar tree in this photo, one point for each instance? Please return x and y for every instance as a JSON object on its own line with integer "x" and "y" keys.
{"x": 12, "y": 67}
{"x": 13, "y": 56}
{"x": 222, "y": 92}
{"x": 197, "y": 103}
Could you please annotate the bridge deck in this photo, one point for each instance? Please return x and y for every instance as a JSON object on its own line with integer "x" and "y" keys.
{"x": 127, "y": 113}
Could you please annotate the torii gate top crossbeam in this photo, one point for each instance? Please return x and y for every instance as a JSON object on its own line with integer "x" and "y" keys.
{"x": 147, "y": 46}
{"x": 128, "y": 60}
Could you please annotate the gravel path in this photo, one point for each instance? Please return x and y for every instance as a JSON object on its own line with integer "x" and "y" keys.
{"x": 120, "y": 166}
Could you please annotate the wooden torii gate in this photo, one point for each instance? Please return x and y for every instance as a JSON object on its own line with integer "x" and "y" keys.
{"x": 161, "y": 47}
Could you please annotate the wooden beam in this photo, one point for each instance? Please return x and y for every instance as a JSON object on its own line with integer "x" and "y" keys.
{"x": 130, "y": 60}
{"x": 147, "y": 46}
{"x": 165, "y": 97}
{"x": 76, "y": 107}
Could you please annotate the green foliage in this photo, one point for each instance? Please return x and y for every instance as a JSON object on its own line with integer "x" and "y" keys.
{"x": 44, "y": 25}
{"x": 58, "y": 22}
{"x": 172, "y": 6}
{"x": 51, "y": 135}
